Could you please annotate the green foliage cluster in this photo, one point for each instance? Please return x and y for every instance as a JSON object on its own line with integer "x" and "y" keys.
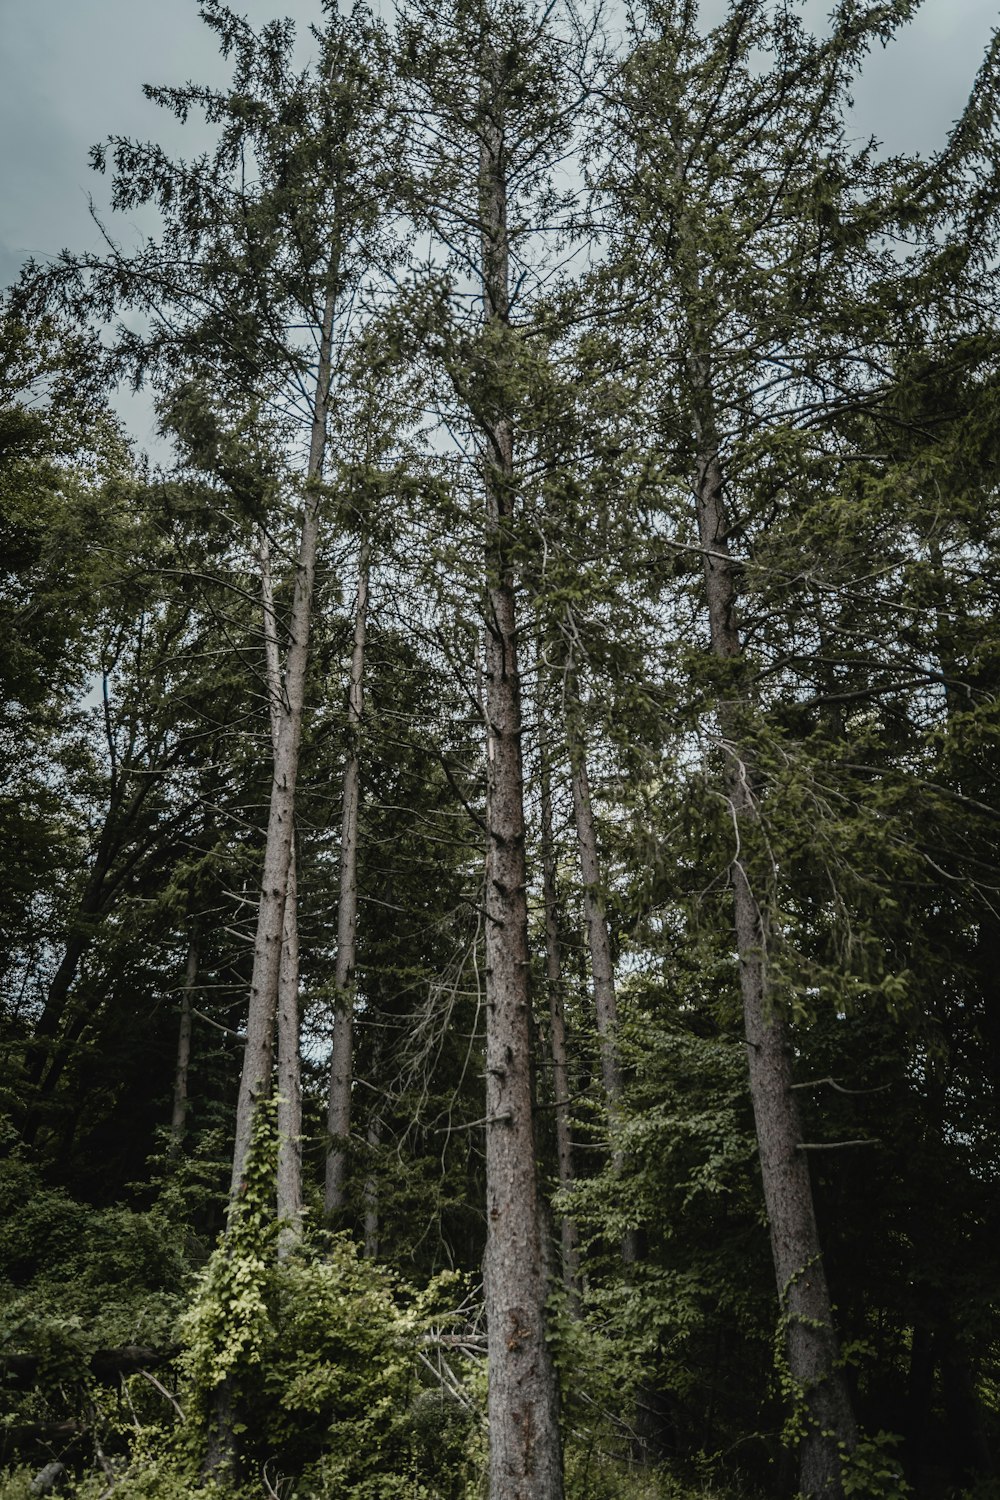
{"x": 78, "y": 1284}
{"x": 316, "y": 1354}
{"x": 818, "y": 321}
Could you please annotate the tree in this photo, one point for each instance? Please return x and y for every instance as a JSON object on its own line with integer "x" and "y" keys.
{"x": 270, "y": 266}
{"x": 341, "y": 1061}
{"x": 496, "y": 87}
{"x": 766, "y": 237}
{"x": 707, "y": 457}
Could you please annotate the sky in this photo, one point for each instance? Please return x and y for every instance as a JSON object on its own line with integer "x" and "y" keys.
{"x": 71, "y": 73}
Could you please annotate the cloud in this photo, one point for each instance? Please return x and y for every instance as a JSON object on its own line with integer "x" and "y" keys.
{"x": 70, "y": 76}
{"x": 911, "y": 91}
{"x": 11, "y": 261}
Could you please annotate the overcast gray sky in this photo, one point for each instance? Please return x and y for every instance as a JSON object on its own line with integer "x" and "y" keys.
{"x": 71, "y": 73}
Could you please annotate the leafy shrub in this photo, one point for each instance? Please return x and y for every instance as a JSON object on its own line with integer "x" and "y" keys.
{"x": 310, "y": 1364}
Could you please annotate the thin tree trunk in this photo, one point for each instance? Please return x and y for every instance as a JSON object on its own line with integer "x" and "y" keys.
{"x": 178, "y": 1121}
{"x": 968, "y": 1445}
{"x": 64, "y": 1018}
{"x": 255, "y": 1081}
{"x": 58, "y": 1028}
{"x": 91, "y": 909}
{"x": 602, "y": 971}
{"x": 221, "y": 1459}
{"x": 338, "y": 1119}
{"x": 525, "y": 1452}
{"x": 810, "y": 1338}
{"x": 53, "y": 1014}
{"x": 44, "y": 1064}
{"x": 289, "y": 1115}
{"x": 371, "y": 1190}
{"x": 568, "y": 1235}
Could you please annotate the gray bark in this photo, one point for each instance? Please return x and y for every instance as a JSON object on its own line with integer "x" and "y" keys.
{"x": 338, "y": 1119}
{"x": 255, "y": 1080}
{"x": 810, "y": 1337}
{"x": 525, "y": 1452}
{"x": 178, "y": 1119}
{"x": 569, "y": 1238}
{"x": 48, "y": 1479}
{"x": 289, "y": 1116}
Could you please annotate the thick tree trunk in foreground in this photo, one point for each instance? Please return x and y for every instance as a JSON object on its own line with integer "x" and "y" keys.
{"x": 557, "y": 1022}
{"x": 255, "y": 1081}
{"x": 338, "y": 1119}
{"x": 178, "y": 1120}
{"x": 525, "y": 1450}
{"x": 289, "y": 1117}
{"x": 810, "y": 1337}
{"x": 525, "y": 1459}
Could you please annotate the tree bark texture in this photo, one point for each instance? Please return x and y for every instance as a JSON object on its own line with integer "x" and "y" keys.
{"x": 525, "y": 1453}
{"x": 255, "y": 1080}
{"x": 809, "y": 1333}
{"x": 338, "y": 1119}
{"x": 178, "y": 1120}
{"x": 289, "y": 1115}
{"x": 569, "y": 1238}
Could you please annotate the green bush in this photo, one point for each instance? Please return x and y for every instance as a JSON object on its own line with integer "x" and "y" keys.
{"x": 310, "y": 1364}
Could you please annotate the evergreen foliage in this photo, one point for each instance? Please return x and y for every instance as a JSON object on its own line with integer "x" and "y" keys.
{"x": 641, "y": 392}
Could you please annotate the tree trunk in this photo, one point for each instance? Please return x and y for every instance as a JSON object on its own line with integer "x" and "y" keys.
{"x": 178, "y": 1121}
{"x": 569, "y": 1238}
{"x": 64, "y": 1019}
{"x": 220, "y": 1459}
{"x": 810, "y": 1337}
{"x": 255, "y": 1080}
{"x": 289, "y": 1116}
{"x": 53, "y": 1033}
{"x": 53, "y": 1013}
{"x": 338, "y": 1119}
{"x": 371, "y": 1190}
{"x": 595, "y": 917}
{"x": 51, "y": 1042}
{"x": 602, "y": 970}
{"x": 525, "y": 1453}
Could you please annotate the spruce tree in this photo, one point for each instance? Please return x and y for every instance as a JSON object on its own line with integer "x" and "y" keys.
{"x": 491, "y": 93}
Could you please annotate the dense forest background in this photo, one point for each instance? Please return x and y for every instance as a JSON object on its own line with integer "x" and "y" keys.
{"x": 501, "y": 907}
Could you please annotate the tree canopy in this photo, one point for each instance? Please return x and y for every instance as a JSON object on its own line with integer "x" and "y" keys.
{"x": 500, "y": 980}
